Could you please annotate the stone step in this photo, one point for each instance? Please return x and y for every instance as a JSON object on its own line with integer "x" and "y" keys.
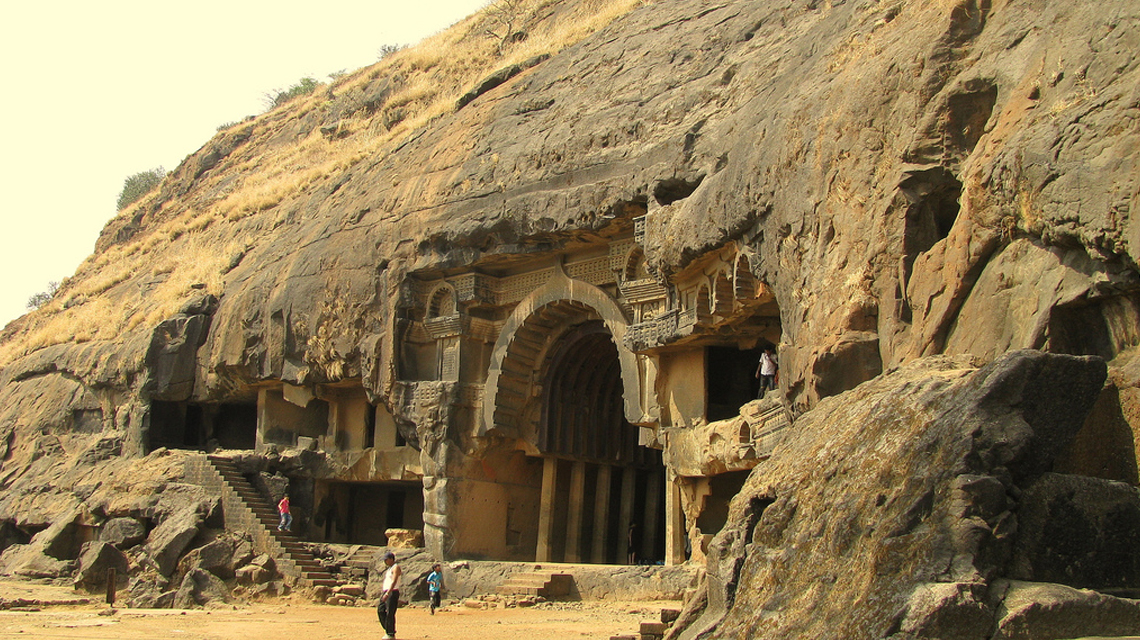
{"x": 291, "y": 554}
{"x": 525, "y": 582}
{"x": 322, "y": 582}
{"x": 547, "y": 584}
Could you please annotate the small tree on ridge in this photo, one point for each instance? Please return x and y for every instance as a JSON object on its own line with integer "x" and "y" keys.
{"x": 138, "y": 185}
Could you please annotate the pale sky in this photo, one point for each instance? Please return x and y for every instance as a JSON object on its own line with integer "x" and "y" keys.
{"x": 97, "y": 91}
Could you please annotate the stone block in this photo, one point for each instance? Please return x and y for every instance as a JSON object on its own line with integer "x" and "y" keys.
{"x": 168, "y": 540}
{"x": 253, "y": 574}
{"x": 405, "y": 538}
{"x": 123, "y": 533}
{"x": 96, "y": 560}
{"x": 200, "y": 588}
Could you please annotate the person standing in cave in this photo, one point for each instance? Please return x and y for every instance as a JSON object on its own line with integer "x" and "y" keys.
{"x": 767, "y": 371}
{"x": 286, "y": 523}
{"x": 632, "y": 538}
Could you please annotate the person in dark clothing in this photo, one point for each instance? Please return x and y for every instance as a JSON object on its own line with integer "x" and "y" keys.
{"x": 390, "y": 596}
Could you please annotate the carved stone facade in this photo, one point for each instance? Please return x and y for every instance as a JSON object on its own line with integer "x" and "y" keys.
{"x": 563, "y": 378}
{"x": 564, "y": 404}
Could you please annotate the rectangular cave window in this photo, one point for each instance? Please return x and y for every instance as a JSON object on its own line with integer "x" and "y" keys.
{"x": 285, "y": 421}
{"x": 199, "y": 427}
{"x": 235, "y": 425}
{"x": 361, "y": 512}
{"x": 730, "y": 380}
{"x": 176, "y": 425}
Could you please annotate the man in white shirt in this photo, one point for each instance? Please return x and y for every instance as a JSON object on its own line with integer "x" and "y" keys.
{"x": 390, "y": 596}
{"x": 767, "y": 371}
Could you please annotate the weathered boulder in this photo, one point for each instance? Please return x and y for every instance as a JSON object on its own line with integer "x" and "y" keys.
{"x": 199, "y": 589}
{"x": 96, "y": 560}
{"x": 1034, "y": 611}
{"x": 265, "y": 561}
{"x": 253, "y": 574}
{"x": 147, "y": 590}
{"x": 404, "y": 538}
{"x": 1078, "y": 531}
{"x": 49, "y": 554}
{"x": 172, "y": 498}
{"x": 123, "y": 532}
{"x": 217, "y": 557}
{"x": 30, "y": 562}
{"x": 169, "y": 540}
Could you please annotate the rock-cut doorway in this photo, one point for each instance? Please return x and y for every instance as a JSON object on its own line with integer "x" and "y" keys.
{"x": 602, "y": 497}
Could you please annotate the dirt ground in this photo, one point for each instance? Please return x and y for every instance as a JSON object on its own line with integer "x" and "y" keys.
{"x": 295, "y": 617}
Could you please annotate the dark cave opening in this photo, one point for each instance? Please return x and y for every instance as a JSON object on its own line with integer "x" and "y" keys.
{"x": 933, "y": 196}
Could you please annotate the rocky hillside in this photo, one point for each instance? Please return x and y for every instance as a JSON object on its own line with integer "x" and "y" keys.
{"x": 915, "y": 178}
{"x": 911, "y": 178}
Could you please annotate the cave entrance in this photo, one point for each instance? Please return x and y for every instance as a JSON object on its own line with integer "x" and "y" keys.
{"x": 731, "y": 380}
{"x": 361, "y": 512}
{"x": 603, "y": 492}
{"x": 202, "y": 427}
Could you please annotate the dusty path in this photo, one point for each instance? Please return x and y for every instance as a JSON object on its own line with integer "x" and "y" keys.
{"x": 296, "y": 619}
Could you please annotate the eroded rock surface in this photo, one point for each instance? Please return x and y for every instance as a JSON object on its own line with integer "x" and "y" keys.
{"x": 895, "y": 510}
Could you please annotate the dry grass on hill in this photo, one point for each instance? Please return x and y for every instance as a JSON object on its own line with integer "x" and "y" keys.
{"x": 185, "y": 244}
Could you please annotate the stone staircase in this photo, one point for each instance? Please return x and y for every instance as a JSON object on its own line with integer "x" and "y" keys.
{"x": 548, "y": 584}
{"x": 248, "y": 511}
{"x": 653, "y": 630}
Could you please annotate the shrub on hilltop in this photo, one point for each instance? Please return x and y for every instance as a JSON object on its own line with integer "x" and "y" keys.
{"x": 138, "y": 185}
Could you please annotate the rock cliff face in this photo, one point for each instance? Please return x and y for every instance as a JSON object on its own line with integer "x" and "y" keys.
{"x": 913, "y": 507}
{"x": 877, "y": 181}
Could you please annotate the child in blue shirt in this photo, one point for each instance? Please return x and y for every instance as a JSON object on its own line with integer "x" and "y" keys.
{"x": 435, "y": 585}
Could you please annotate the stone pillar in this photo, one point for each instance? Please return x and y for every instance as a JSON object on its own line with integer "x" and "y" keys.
{"x": 601, "y": 514}
{"x": 546, "y": 509}
{"x": 653, "y": 526}
{"x": 262, "y": 418}
{"x": 628, "y": 493}
{"x": 574, "y": 512}
{"x": 675, "y": 533}
{"x": 329, "y": 441}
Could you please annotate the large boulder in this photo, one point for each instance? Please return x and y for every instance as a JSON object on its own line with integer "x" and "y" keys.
{"x": 415, "y": 565}
{"x": 217, "y": 557}
{"x": 96, "y": 560}
{"x": 199, "y": 589}
{"x": 404, "y": 538}
{"x": 49, "y": 554}
{"x": 147, "y": 590}
{"x": 253, "y": 574}
{"x": 1079, "y": 531}
{"x": 890, "y": 510}
{"x": 1034, "y": 611}
{"x": 169, "y": 540}
{"x": 123, "y": 532}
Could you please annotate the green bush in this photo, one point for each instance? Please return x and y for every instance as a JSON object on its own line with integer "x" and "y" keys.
{"x": 304, "y": 87}
{"x": 37, "y": 300}
{"x": 138, "y": 185}
{"x": 386, "y": 50}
